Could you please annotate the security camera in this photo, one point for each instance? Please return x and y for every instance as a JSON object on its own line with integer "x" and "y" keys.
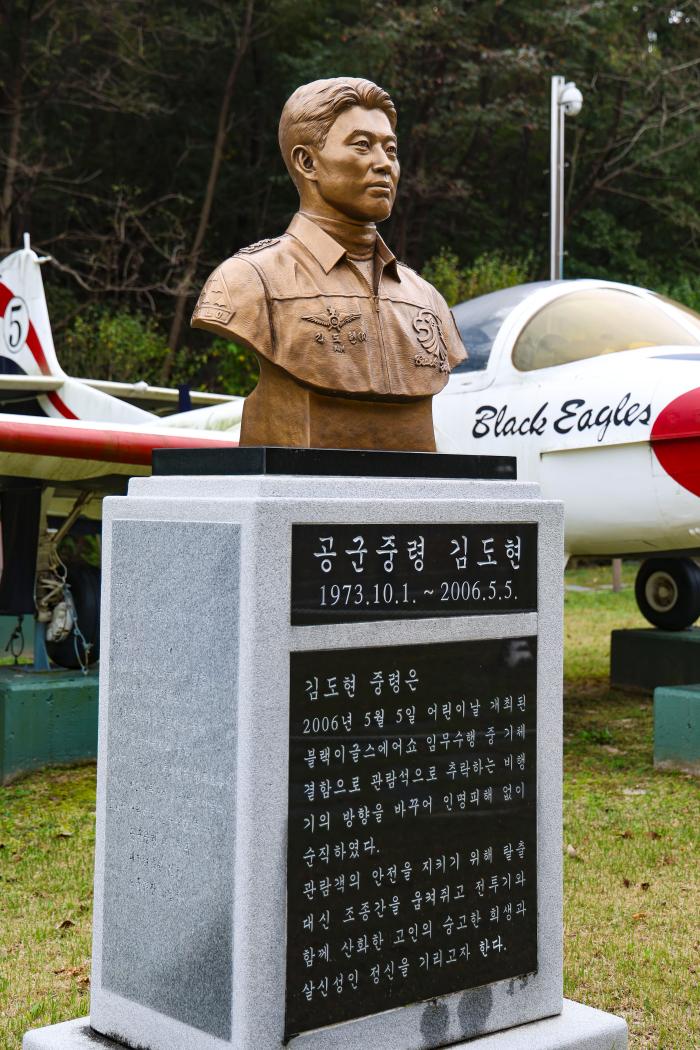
{"x": 570, "y": 99}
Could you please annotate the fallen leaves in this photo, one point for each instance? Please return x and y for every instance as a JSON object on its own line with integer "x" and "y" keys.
{"x": 65, "y": 924}
{"x": 77, "y": 973}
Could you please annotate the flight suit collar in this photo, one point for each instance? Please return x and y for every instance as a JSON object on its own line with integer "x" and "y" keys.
{"x": 328, "y": 252}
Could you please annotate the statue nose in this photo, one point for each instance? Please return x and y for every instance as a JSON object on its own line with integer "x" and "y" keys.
{"x": 381, "y": 162}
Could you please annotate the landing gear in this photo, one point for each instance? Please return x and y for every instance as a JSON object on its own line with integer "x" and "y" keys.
{"x": 77, "y": 639}
{"x": 67, "y": 597}
{"x": 668, "y": 592}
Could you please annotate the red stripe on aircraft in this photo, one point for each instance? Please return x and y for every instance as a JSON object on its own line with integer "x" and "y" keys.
{"x": 60, "y": 406}
{"x": 675, "y": 439}
{"x": 37, "y": 352}
{"x": 35, "y": 347}
{"x": 106, "y": 446}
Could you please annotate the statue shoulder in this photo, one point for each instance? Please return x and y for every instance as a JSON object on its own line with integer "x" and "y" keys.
{"x": 425, "y": 289}
{"x": 233, "y": 294}
{"x": 258, "y": 246}
{"x": 414, "y": 280}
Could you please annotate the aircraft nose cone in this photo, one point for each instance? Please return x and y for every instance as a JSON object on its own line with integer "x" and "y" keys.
{"x": 675, "y": 439}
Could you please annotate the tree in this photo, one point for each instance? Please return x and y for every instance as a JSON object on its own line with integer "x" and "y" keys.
{"x": 138, "y": 140}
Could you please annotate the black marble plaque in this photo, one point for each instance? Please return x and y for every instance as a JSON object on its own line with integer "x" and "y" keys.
{"x": 411, "y": 868}
{"x": 347, "y": 573}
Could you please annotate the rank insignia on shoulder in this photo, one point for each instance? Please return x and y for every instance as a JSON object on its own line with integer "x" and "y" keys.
{"x": 258, "y": 246}
{"x": 214, "y": 303}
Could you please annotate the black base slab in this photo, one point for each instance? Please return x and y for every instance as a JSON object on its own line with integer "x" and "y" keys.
{"x": 255, "y": 459}
{"x": 644, "y": 659}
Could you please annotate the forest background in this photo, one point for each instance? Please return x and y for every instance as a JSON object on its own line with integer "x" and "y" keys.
{"x": 138, "y": 143}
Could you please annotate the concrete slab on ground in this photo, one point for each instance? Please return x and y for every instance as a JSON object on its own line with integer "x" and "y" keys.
{"x": 46, "y": 718}
{"x": 645, "y": 658}
{"x": 677, "y": 728}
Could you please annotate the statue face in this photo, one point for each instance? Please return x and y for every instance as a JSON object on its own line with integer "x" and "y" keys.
{"x": 357, "y": 171}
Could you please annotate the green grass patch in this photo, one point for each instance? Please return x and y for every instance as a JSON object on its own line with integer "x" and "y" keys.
{"x": 47, "y": 834}
{"x": 631, "y": 877}
{"x": 631, "y": 882}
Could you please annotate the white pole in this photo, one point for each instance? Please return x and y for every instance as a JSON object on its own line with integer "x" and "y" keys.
{"x": 566, "y": 101}
{"x": 556, "y": 181}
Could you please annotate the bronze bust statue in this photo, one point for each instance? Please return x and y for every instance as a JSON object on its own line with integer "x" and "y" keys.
{"x": 352, "y": 345}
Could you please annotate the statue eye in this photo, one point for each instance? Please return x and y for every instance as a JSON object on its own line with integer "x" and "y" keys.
{"x": 363, "y": 143}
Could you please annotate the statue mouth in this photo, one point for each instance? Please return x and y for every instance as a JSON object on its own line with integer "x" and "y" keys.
{"x": 381, "y": 187}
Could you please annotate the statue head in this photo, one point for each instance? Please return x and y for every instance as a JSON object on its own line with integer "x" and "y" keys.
{"x": 339, "y": 144}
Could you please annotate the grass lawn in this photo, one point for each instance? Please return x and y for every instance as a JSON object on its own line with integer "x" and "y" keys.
{"x": 632, "y": 882}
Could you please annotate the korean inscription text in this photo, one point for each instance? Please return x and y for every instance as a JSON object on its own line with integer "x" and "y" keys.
{"x": 412, "y": 825}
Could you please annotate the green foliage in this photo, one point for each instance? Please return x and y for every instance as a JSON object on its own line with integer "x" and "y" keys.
{"x": 221, "y": 366}
{"x": 444, "y": 271}
{"x": 122, "y": 346}
{"x": 130, "y": 347}
{"x": 109, "y": 113}
{"x": 87, "y": 549}
{"x": 607, "y": 248}
{"x": 686, "y": 290}
{"x": 488, "y": 273}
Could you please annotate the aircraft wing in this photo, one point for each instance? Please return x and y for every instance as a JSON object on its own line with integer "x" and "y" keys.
{"x": 158, "y": 399}
{"x": 67, "y": 452}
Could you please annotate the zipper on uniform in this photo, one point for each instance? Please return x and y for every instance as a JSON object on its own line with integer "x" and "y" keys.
{"x": 375, "y": 300}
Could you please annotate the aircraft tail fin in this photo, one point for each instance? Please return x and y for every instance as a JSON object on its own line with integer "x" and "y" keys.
{"x": 26, "y": 343}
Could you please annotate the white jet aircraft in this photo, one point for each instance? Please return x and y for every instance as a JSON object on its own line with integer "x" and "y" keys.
{"x": 595, "y": 388}
{"x": 64, "y": 444}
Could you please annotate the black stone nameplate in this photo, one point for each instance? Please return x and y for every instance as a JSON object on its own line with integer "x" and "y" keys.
{"x": 411, "y": 867}
{"x": 328, "y": 462}
{"x": 347, "y": 573}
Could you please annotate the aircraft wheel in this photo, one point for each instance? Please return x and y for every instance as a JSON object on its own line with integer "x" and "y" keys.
{"x": 668, "y": 592}
{"x": 84, "y": 583}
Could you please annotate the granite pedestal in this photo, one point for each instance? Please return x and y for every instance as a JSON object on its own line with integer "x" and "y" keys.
{"x": 220, "y": 619}
{"x": 577, "y": 1027}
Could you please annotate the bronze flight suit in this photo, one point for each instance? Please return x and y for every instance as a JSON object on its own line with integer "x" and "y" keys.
{"x": 340, "y": 367}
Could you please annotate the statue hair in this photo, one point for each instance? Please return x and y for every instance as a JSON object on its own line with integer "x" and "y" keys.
{"x": 310, "y": 112}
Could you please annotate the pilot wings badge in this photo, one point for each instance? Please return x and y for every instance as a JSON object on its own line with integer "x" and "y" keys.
{"x": 335, "y": 322}
{"x": 431, "y": 338}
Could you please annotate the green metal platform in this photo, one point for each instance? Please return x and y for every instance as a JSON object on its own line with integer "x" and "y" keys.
{"x": 7, "y": 626}
{"x": 677, "y": 728}
{"x": 646, "y": 658}
{"x": 46, "y": 718}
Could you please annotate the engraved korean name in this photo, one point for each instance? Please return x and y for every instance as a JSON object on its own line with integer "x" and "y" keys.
{"x": 345, "y": 573}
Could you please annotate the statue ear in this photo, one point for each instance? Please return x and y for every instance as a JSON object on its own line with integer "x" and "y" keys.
{"x": 304, "y": 163}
